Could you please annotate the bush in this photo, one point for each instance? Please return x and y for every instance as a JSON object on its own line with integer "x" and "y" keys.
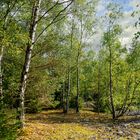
{"x": 33, "y": 106}
{"x": 8, "y": 125}
{"x": 72, "y": 102}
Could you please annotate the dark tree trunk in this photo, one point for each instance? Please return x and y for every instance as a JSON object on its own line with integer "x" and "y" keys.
{"x": 77, "y": 83}
{"x": 98, "y": 98}
{"x": 62, "y": 98}
{"x": 110, "y": 85}
{"x": 78, "y": 67}
{"x": 1, "y": 91}
{"x": 68, "y": 92}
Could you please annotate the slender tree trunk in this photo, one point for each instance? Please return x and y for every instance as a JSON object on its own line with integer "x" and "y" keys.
{"x": 26, "y": 66}
{"x": 69, "y": 69}
{"x": 98, "y": 100}
{"x": 78, "y": 67}
{"x": 77, "y": 83}
{"x": 62, "y": 97}
{"x": 1, "y": 91}
{"x": 1, "y": 54}
{"x": 68, "y": 92}
{"x": 110, "y": 85}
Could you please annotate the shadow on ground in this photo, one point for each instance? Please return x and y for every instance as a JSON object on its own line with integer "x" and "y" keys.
{"x": 84, "y": 117}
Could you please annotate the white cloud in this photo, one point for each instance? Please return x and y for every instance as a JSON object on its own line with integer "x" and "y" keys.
{"x": 100, "y": 7}
{"x": 135, "y": 4}
{"x": 127, "y": 23}
{"x": 128, "y": 28}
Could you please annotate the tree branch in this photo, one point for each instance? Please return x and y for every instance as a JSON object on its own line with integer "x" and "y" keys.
{"x": 47, "y": 12}
{"x": 53, "y": 21}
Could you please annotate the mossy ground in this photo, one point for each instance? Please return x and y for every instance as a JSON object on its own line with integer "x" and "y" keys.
{"x": 86, "y": 125}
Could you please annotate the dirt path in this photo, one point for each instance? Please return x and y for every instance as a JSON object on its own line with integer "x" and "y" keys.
{"x": 54, "y": 125}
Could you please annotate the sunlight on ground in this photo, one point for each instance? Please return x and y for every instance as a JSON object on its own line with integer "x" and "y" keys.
{"x": 54, "y": 125}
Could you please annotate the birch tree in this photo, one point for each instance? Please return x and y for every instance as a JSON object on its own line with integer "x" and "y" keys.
{"x": 33, "y": 38}
{"x": 113, "y": 30}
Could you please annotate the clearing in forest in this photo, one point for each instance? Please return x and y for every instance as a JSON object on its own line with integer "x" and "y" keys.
{"x": 87, "y": 125}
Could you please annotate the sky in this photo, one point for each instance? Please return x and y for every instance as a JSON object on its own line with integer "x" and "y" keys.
{"x": 127, "y": 21}
{"x": 125, "y": 4}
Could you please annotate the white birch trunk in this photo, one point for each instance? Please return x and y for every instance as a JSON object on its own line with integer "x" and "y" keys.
{"x": 1, "y": 57}
{"x": 25, "y": 70}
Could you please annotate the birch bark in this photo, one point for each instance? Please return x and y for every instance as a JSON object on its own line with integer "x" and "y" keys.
{"x": 26, "y": 66}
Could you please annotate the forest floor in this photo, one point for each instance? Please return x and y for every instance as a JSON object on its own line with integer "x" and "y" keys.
{"x": 86, "y": 125}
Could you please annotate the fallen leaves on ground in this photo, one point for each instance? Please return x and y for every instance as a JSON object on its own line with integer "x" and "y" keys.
{"x": 86, "y": 125}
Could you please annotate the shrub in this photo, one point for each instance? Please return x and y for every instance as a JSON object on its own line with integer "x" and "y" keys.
{"x": 8, "y": 124}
